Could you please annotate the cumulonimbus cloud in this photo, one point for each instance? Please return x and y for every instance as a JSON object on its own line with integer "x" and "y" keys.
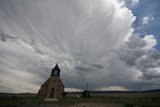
{"x": 81, "y": 35}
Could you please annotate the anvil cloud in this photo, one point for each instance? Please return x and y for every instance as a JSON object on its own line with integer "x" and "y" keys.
{"x": 93, "y": 42}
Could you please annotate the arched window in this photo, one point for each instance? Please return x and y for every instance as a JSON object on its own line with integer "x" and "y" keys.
{"x": 52, "y": 93}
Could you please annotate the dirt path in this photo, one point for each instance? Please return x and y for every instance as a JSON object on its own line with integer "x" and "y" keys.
{"x": 77, "y": 105}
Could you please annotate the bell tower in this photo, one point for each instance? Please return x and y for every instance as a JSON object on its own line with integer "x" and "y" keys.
{"x": 55, "y": 71}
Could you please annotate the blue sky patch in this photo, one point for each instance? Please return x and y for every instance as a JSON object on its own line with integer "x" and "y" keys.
{"x": 150, "y": 9}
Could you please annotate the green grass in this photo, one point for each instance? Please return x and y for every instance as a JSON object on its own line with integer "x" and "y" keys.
{"x": 145, "y": 100}
{"x": 129, "y": 105}
{"x": 13, "y": 102}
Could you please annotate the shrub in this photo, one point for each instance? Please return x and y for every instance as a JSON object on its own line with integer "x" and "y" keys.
{"x": 129, "y": 105}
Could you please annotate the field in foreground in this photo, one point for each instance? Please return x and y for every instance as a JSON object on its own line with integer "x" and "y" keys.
{"x": 151, "y": 99}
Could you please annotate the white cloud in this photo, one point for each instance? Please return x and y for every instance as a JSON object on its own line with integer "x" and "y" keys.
{"x": 150, "y": 41}
{"x": 146, "y": 20}
{"x": 134, "y": 2}
{"x": 140, "y": 54}
{"x": 73, "y": 90}
{"x": 113, "y": 88}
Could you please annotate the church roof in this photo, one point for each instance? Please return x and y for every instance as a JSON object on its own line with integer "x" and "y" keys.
{"x": 56, "y": 67}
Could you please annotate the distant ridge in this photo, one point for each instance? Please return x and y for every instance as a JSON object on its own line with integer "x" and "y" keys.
{"x": 156, "y": 90}
{"x": 115, "y": 92}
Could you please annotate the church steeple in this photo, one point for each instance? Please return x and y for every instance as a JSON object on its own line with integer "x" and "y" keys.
{"x": 55, "y": 71}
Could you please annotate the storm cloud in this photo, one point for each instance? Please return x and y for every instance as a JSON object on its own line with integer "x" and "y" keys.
{"x": 141, "y": 54}
{"x": 92, "y": 41}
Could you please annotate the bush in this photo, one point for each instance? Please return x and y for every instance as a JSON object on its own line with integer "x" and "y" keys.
{"x": 129, "y": 105}
{"x": 85, "y": 94}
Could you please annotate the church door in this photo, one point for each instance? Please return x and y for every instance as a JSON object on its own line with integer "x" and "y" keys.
{"x": 52, "y": 93}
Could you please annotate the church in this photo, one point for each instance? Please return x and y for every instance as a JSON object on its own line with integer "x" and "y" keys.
{"x": 53, "y": 87}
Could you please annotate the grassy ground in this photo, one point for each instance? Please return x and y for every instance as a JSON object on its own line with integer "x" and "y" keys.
{"x": 129, "y": 100}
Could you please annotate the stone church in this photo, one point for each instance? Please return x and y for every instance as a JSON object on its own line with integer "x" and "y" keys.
{"x": 53, "y": 87}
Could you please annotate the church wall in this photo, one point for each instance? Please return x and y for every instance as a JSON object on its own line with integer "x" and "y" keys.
{"x": 54, "y": 82}
{"x": 43, "y": 91}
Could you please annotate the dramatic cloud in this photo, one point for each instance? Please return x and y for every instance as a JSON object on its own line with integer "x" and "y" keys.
{"x": 141, "y": 54}
{"x": 92, "y": 41}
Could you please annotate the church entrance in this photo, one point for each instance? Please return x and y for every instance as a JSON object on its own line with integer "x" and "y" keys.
{"x": 52, "y": 93}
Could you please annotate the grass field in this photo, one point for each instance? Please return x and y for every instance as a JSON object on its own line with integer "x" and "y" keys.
{"x": 127, "y": 99}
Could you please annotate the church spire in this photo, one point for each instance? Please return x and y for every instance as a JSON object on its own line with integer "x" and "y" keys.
{"x": 55, "y": 70}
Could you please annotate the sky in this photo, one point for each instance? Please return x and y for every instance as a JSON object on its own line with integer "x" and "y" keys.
{"x": 109, "y": 44}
